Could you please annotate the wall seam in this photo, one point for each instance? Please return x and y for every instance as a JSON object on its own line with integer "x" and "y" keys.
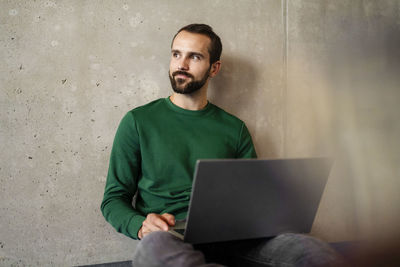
{"x": 285, "y": 75}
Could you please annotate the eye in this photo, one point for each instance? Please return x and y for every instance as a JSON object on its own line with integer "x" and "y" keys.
{"x": 196, "y": 57}
{"x": 175, "y": 54}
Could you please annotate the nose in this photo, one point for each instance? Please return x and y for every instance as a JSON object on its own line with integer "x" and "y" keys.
{"x": 183, "y": 64}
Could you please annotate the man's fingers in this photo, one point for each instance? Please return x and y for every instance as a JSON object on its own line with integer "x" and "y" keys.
{"x": 149, "y": 226}
{"x": 157, "y": 222}
{"x": 170, "y": 219}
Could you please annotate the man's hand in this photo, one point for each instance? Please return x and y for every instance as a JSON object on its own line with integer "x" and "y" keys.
{"x": 156, "y": 222}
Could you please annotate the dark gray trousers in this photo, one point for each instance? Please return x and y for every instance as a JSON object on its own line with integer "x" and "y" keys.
{"x": 164, "y": 249}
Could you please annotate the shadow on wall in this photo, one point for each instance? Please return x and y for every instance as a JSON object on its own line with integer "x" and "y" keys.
{"x": 235, "y": 86}
{"x": 235, "y": 90}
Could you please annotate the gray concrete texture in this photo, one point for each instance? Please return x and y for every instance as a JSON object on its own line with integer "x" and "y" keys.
{"x": 308, "y": 77}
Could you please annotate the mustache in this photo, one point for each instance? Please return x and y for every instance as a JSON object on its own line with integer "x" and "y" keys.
{"x": 183, "y": 73}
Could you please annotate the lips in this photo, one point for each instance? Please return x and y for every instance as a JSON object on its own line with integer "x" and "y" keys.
{"x": 182, "y": 75}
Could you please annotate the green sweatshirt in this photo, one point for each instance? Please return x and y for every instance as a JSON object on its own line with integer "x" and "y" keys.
{"x": 154, "y": 154}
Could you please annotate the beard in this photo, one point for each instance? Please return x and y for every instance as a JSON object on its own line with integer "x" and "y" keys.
{"x": 190, "y": 87}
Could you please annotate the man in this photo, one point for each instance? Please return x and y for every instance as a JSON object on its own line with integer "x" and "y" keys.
{"x": 154, "y": 154}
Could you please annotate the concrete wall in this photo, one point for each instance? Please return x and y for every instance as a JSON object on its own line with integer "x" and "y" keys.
{"x": 309, "y": 78}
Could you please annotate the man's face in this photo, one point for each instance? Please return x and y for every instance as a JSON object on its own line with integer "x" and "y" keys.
{"x": 189, "y": 67}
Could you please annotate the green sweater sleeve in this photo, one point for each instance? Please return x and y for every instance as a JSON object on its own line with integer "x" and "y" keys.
{"x": 245, "y": 147}
{"x": 121, "y": 184}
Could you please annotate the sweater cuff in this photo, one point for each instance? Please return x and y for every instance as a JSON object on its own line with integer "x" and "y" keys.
{"x": 135, "y": 225}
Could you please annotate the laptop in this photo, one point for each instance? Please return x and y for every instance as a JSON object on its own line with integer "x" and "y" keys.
{"x": 236, "y": 199}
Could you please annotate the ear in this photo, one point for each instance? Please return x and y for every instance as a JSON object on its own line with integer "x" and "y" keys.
{"x": 215, "y": 67}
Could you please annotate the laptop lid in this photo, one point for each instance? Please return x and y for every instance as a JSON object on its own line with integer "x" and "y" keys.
{"x": 234, "y": 199}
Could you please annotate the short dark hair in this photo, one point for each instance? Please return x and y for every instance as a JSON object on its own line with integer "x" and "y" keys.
{"x": 215, "y": 48}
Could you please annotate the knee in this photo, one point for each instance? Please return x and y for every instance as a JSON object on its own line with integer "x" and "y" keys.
{"x": 305, "y": 250}
{"x": 154, "y": 239}
{"x": 302, "y": 241}
{"x": 156, "y": 236}
{"x": 150, "y": 250}
{"x": 303, "y": 244}
{"x": 164, "y": 249}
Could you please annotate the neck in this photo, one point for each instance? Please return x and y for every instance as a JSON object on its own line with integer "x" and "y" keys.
{"x": 195, "y": 101}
